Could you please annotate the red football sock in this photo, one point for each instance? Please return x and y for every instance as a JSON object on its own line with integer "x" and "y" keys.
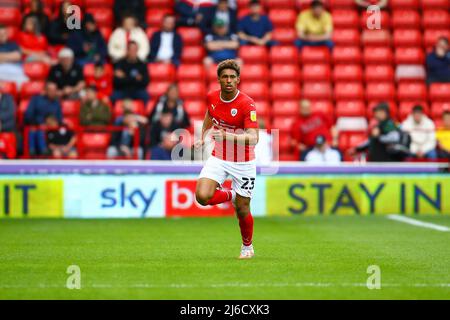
{"x": 220, "y": 196}
{"x": 246, "y": 225}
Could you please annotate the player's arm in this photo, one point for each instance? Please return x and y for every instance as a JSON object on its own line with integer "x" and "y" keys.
{"x": 207, "y": 124}
{"x": 250, "y": 136}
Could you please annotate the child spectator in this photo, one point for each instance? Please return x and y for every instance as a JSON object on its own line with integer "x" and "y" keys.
{"x": 94, "y": 112}
{"x": 322, "y": 153}
{"x": 255, "y": 28}
{"x": 101, "y": 81}
{"x": 60, "y": 139}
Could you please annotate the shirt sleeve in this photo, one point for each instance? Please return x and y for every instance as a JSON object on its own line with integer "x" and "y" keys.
{"x": 250, "y": 120}
{"x": 269, "y": 25}
{"x": 328, "y": 23}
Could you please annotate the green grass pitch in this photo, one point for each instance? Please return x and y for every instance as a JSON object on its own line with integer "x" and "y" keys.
{"x": 296, "y": 258}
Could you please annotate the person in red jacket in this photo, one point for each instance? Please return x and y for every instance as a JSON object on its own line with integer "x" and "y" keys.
{"x": 32, "y": 42}
{"x": 102, "y": 81}
{"x": 308, "y": 126}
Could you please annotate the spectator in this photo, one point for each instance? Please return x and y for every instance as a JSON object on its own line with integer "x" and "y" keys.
{"x": 7, "y": 113}
{"x": 131, "y": 77}
{"x": 39, "y": 107}
{"x": 59, "y": 29}
{"x": 255, "y": 28}
{"x": 314, "y": 26}
{"x": 322, "y": 153}
{"x": 37, "y": 11}
{"x": 170, "y": 102}
{"x": 129, "y": 31}
{"x": 438, "y": 62}
{"x": 135, "y": 8}
{"x": 87, "y": 43}
{"x": 308, "y": 126}
{"x": 32, "y": 42}
{"x": 222, "y": 11}
{"x": 192, "y": 12}
{"x": 443, "y": 136}
{"x": 102, "y": 81}
{"x": 11, "y": 68}
{"x": 166, "y": 45}
{"x": 122, "y": 142}
{"x": 422, "y": 132}
{"x": 94, "y": 112}
{"x": 231, "y": 3}
{"x": 67, "y": 75}
{"x": 162, "y": 137}
{"x": 60, "y": 139}
{"x": 221, "y": 45}
{"x": 367, "y": 3}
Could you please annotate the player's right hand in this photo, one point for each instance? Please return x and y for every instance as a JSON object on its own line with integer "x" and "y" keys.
{"x": 198, "y": 144}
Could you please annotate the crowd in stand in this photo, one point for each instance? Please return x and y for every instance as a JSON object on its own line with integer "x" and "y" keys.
{"x": 129, "y": 49}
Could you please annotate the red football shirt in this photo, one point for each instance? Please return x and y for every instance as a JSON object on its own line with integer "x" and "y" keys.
{"x": 233, "y": 116}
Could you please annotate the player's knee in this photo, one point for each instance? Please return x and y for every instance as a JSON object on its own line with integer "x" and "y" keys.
{"x": 242, "y": 210}
{"x": 202, "y": 197}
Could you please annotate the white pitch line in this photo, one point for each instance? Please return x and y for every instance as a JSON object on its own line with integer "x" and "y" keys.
{"x": 418, "y": 223}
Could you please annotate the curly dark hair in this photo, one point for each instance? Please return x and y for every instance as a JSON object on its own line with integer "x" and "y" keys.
{"x": 228, "y": 64}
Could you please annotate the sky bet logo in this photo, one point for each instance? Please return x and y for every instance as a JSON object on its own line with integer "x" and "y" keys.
{"x": 123, "y": 197}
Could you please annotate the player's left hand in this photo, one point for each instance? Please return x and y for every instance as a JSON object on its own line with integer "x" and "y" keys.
{"x": 218, "y": 135}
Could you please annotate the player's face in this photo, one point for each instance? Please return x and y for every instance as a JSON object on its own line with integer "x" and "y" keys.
{"x": 228, "y": 80}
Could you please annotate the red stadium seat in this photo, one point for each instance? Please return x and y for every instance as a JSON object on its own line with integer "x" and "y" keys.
{"x": 257, "y": 89}
{"x": 192, "y": 90}
{"x": 213, "y": 86}
{"x": 99, "y": 3}
{"x": 380, "y": 91}
{"x": 159, "y": 4}
{"x": 192, "y": 54}
{"x": 438, "y": 108}
{"x": 12, "y": 32}
{"x": 191, "y": 36}
{"x": 316, "y": 72}
{"x": 379, "y": 73}
{"x": 9, "y": 88}
{"x": 283, "y": 54}
{"x": 262, "y": 108}
{"x": 377, "y": 55}
{"x": 404, "y": 18}
{"x": 195, "y": 107}
{"x": 344, "y": 18}
{"x": 10, "y": 16}
{"x": 407, "y": 38}
{"x": 435, "y": 4}
{"x": 157, "y": 88}
{"x": 415, "y": 91}
{"x": 162, "y": 71}
{"x": 323, "y": 106}
{"x": 211, "y": 74}
{"x": 31, "y": 88}
{"x": 103, "y": 17}
{"x": 392, "y": 108}
{"x": 355, "y": 108}
{"x": 317, "y": 91}
{"x": 439, "y": 19}
{"x": 283, "y": 123}
{"x": 23, "y": 105}
{"x": 254, "y": 54}
{"x": 285, "y": 108}
{"x": 284, "y": 72}
{"x": 106, "y": 32}
{"x": 287, "y": 4}
{"x": 70, "y": 108}
{"x": 346, "y": 54}
{"x": 341, "y": 4}
{"x": 376, "y": 38}
{"x": 154, "y": 17}
{"x": 409, "y": 56}
{"x": 95, "y": 140}
{"x": 405, "y": 108}
{"x": 284, "y": 36}
{"x": 368, "y": 21}
{"x": 287, "y": 90}
{"x": 351, "y": 139}
{"x": 440, "y": 92}
{"x": 346, "y": 37}
{"x": 431, "y": 35}
{"x": 188, "y": 72}
{"x": 137, "y": 106}
{"x": 349, "y": 91}
{"x": 283, "y": 18}
{"x": 404, "y": 4}
{"x": 255, "y": 72}
{"x": 150, "y": 31}
{"x": 347, "y": 72}
{"x": 315, "y": 55}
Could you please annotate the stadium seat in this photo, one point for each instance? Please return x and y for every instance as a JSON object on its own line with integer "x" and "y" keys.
{"x": 347, "y": 72}
{"x": 315, "y": 55}
{"x": 157, "y": 88}
{"x": 154, "y": 17}
{"x": 367, "y": 20}
{"x": 409, "y": 55}
{"x": 106, "y": 32}
{"x": 285, "y": 108}
{"x": 349, "y": 91}
{"x": 355, "y": 108}
{"x": 438, "y": 108}
{"x": 192, "y": 90}
{"x": 104, "y": 17}
{"x": 404, "y": 18}
{"x": 380, "y": 91}
{"x": 287, "y": 4}
{"x": 284, "y": 36}
{"x": 263, "y": 108}
{"x": 356, "y": 123}
{"x": 317, "y": 91}
{"x": 137, "y": 106}
{"x": 255, "y": 72}
{"x": 344, "y": 18}
{"x": 192, "y": 54}
{"x": 335, "y": 4}
{"x": 346, "y": 37}
{"x": 283, "y": 18}
{"x": 191, "y": 36}
{"x": 254, "y": 54}
{"x": 431, "y": 35}
{"x": 344, "y": 54}
{"x": 283, "y": 123}
{"x": 161, "y": 71}
{"x": 416, "y": 91}
{"x": 287, "y": 90}
{"x": 8, "y": 87}
{"x": 323, "y": 106}
{"x": 405, "y": 108}
{"x": 150, "y": 31}
{"x": 188, "y": 72}
{"x": 31, "y": 88}
{"x": 379, "y": 73}
{"x": 213, "y": 86}
{"x": 351, "y": 139}
{"x": 435, "y": 4}
{"x": 211, "y": 74}
{"x": 95, "y": 140}
{"x": 283, "y": 54}
{"x": 284, "y": 72}
{"x": 438, "y": 19}
{"x": 195, "y": 107}
{"x": 376, "y": 38}
{"x": 8, "y": 144}
{"x": 70, "y": 108}
{"x": 404, "y": 4}
{"x": 377, "y": 55}
{"x": 99, "y": 3}
{"x": 440, "y": 92}
{"x": 36, "y": 70}
{"x": 407, "y": 38}
{"x": 159, "y": 3}
{"x": 256, "y": 89}
{"x": 316, "y": 72}
{"x": 10, "y": 16}
{"x": 410, "y": 72}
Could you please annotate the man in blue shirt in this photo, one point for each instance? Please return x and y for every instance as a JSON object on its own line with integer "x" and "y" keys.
{"x": 438, "y": 62}
{"x": 10, "y": 60}
{"x": 221, "y": 45}
{"x": 255, "y": 28}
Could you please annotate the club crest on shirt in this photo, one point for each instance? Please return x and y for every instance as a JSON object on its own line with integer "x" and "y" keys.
{"x": 234, "y": 112}
{"x": 253, "y": 116}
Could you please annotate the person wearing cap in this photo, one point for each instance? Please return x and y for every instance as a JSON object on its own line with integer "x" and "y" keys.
{"x": 67, "y": 75}
{"x": 220, "y": 44}
{"x": 94, "y": 112}
{"x": 255, "y": 28}
{"x": 88, "y": 43}
{"x": 166, "y": 44}
{"x": 222, "y": 10}
{"x": 314, "y": 26}
{"x": 423, "y": 134}
{"x": 322, "y": 153}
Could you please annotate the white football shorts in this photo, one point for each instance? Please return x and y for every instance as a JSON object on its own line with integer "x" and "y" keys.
{"x": 243, "y": 174}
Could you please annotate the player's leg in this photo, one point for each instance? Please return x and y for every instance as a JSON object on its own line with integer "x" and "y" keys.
{"x": 212, "y": 176}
